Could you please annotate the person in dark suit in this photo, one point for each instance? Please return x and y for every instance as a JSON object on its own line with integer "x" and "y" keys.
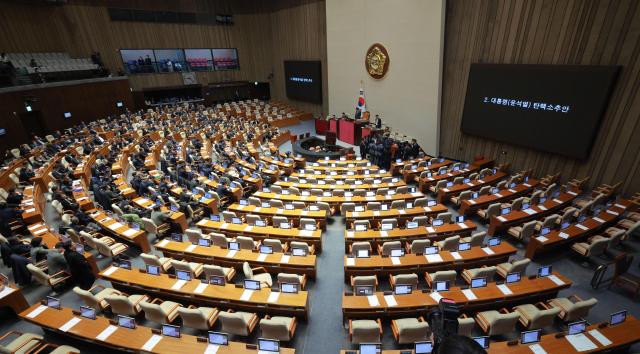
{"x": 80, "y": 269}
{"x": 378, "y": 122}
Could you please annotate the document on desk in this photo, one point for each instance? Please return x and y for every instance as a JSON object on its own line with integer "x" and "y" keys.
{"x": 505, "y": 289}
{"x": 581, "y": 342}
{"x": 246, "y": 295}
{"x": 613, "y": 212}
{"x": 600, "y": 337}
{"x": 436, "y": 296}
{"x": 555, "y": 279}
{"x": 488, "y": 250}
{"x": 433, "y": 258}
{"x": 384, "y": 233}
{"x": 471, "y": 201}
{"x": 178, "y": 284}
{"x": 431, "y": 230}
{"x": 462, "y": 225}
{"x": 110, "y": 271}
{"x": 190, "y": 248}
{"x": 498, "y": 195}
{"x": 351, "y": 261}
{"x": 41, "y": 231}
{"x": 200, "y": 288}
{"x": 373, "y": 300}
{"x": 542, "y": 239}
{"x": 285, "y": 258}
{"x": 563, "y": 235}
{"x": 67, "y": 326}
{"x": 115, "y": 226}
{"x": 38, "y": 310}
{"x": 248, "y": 228}
{"x": 456, "y": 255}
{"x": 376, "y": 213}
{"x": 502, "y": 218}
{"x": 599, "y": 220}
{"x": 390, "y": 300}
{"x": 151, "y": 343}
{"x": 558, "y": 201}
{"x": 211, "y": 349}
{"x": 542, "y": 207}
{"x": 402, "y": 211}
{"x": 273, "y": 297}
{"x": 468, "y": 293}
{"x": 427, "y": 209}
{"x": 620, "y": 206}
{"x": 231, "y": 253}
{"x": 529, "y": 211}
{"x": 582, "y": 227}
{"x": 395, "y": 260}
{"x": 106, "y": 333}
{"x": 512, "y": 190}
{"x": 261, "y": 257}
{"x": 355, "y": 214}
{"x": 537, "y": 349}
{"x": 130, "y": 232}
{"x": 350, "y": 233}
{"x": 6, "y": 291}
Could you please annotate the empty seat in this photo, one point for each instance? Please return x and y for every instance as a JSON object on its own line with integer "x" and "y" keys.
{"x": 409, "y": 330}
{"x": 497, "y": 322}
{"x": 417, "y": 246}
{"x": 96, "y": 300}
{"x": 513, "y": 266}
{"x": 201, "y": 318}
{"x": 127, "y": 305}
{"x": 194, "y": 268}
{"x": 278, "y": 327}
{"x": 159, "y": 311}
{"x": 385, "y": 249}
{"x": 492, "y": 210}
{"x": 476, "y": 239}
{"x": 441, "y": 275}
{"x": 55, "y": 281}
{"x": 596, "y": 246}
{"x": 260, "y": 274}
{"x": 404, "y": 279}
{"x": 536, "y": 316}
{"x": 573, "y": 307}
{"x": 238, "y": 323}
{"x": 523, "y": 232}
{"x": 449, "y": 243}
{"x": 211, "y": 270}
{"x": 365, "y": 331}
{"x": 23, "y": 343}
{"x": 482, "y": 272}
{"x": 366, "y": 280}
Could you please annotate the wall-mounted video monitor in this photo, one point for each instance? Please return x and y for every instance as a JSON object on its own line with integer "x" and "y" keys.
{"x": 303, "y": 80}
{"x": 199, "y": 59}
{"x": 170, "y": 60}
{"x": 225, "y": 59}
{"x": 138, "y": 61}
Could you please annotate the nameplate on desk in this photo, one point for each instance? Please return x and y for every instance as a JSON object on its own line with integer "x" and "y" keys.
{"x": 613, "y": 212}
{"x": 306, "y": 233}
{"x": 462, "y": 225}
{"x": 542, "y": 239}
{"x": 384, "y": 233}
{"x": 416, "y": 194}
{"x": 246, "y": 295}
{"x": 433, "y": 258}
{"x": 430, "y": 229}
{"x": 115, "y": 225}
{"x": 190, "y": 248}
{"x": 224, "y": 225}
{"x": 257, "y": 209}
{"x": 151, "y": 343}
{"x": 512, "y": 190}
{"x": 526, "y": 185}
{"x": 163, "y": 243}
{"x": 456, "y": 255}
{"x": 505, "y": 289}
{"x": 488, "y": 250}
{"x": 502, "y": 218}
{"x": 273, "y": 297}
{"x": 248, "y": 228}
{"x": 582, "y": 227}
{"x": 537, "y": 349}
{"x": 580, "y": 342}
{"x": 355, "y": 214}
{"x": 530, "y": 211}
{"x": 261, "y": 257}
{"x": 106, "y": 333}
{"x": 558, "y": 201}
{"x": 481, "y": 181}
{"x": 445, "y": 190}
{"x": 231, "y": 254}
{"x": 130, "y": 232}
{"x": 599, "y": 220}
{"x": 373, "y": 300}
{"x": 402, "y": 211}
{"x": 620, "y": 206}
{"x": 30, "y": 210}
{"x": 34, "y": 226}
{"x": 178, "y": 284}
{"x": 351, "y": 261}
{"x": 498, "y": 195}
{"x": 200, "y": 288}
{"x": 110, "y": 271}
{"x": 6, "y": 291}
{"x": 563, "y": 235}
{"x": 468, "y": 293}
{"x": 41, "y": 231}
{"x": 376, "y": 213}
{"x": 436, "y": 296}
{"x": 67, "y": 326}
{"x": 472, "y": 202}
{"x": 600, "y": 337}
{"x": 38, "y": 310}
{"x": 395, "y": 260}
{"x": 350, "y": 233}
{"x": 556, "y": 280}
{"x": 390, "y": 300}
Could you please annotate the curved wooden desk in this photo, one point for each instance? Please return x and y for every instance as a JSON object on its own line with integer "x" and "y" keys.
{"x": 445, "y": 194}
{"x": 337, "y": 200}
{"x": 340, "y": 185}
{"x": 291, "y": 214}
{"x": 471, "y": 206}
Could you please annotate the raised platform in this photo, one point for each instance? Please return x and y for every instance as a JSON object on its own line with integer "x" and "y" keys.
{"x": 305, "y": 148}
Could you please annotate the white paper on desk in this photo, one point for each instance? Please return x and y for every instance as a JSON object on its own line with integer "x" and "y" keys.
{"x": 130, "y": 232}
{"x": 67, "y": 326}
{"x": 115, "y": 225}
{"x": 542, "y": 207}
{"x": 582, "y": 227}
{"x": 306, "y": 233}
{"x": 436, "y": 296}
{"x": 598, "y": 220}
{"x": 248, "y": 228}
{"x": 351, "y": 261}
{"x": 373, "y": 300}
{"x": 151, "y": 343}
{"x": 462, "y": 225}
{"x": 41, "y": 231}
{"x": 38, "y": 310}
{"x": 456, "y": 255}
{"x": 600, "y": 337}
{"x": 529, "y": 211}
{"x": 106, "y": 333}
{"x": 110, "y": 271}
{"x": 502, "y": 218}
{"x": 430, "y": 230}
{"x": 470, "y": 184}
{"x": 505, "y": 289}
{"x": 355, "y": 214}
{"x": 390, "y": 300}
{"x": 445, "y": 189}
{"x": 257, "y": 209}
{"x": 246, "y": 295}
{"x": 468, "y": 293}
{"x": 433, "y": 258}
{"x": 537, "y": 349}
{"x": 350, "y": 233}
{"x": 512, "y": 190}
{"x": 581, "y": 342}
{"x": 488, "y": 250}
{"x": 402, "y": 212}
{"x": 395, "y": 260}
{"x": 427, "y": 209}
{"x": 563, "y": 235}
{"x": 613, "y": 212}
{"x": 498, "y": 195}
{"x": 273, "y": 297}
{"x": 30, "y": 210}
{"x": 376, "y": 213}
{"x": 558, "y": 201}
{"x": 480, "y": 181}
{"x": 200, "y": 288}
{"x": 211, "y": 349}
{"x": 6, "y": 291}
{"x": 178, "y": 284}
{"x": 471, "y": 201}
{"x": 190, "y": 248}
{"x": 542, "y": 239}
{"x": 34, "y": 226}
{"x": 555, "y": 279}
{"x": 163, "y": 243}
{"x": 261, "y": 257}
{"x": 231, "y": 253}
{"x": 285, "y": 258}
{"x": 620, "y": 206}
{"x": 224, "y": 225}
{"x": 384, "y": 233}
{"x": 81, "y": 199}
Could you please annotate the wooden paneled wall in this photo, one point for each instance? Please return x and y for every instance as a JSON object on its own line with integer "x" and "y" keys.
{"x": 589, "y": 32}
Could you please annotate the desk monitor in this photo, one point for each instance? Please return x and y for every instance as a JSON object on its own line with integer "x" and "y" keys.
{"x": 236, "y": 221}
{"x": 362, "y": 254}
{"x": 525, "y": 206}
{"x": 268, "y": 345}
{"x": 361, "y": 227}
{"x": 494, "y": 241}
{"x": 218, "y": 338}
{"x": 377, "y": 181}
{"x": 512, "y": 185}
{"x": 300, "y": 252}
{"x": 171, "y": 331}
{"x": 260, "y": 223}
{"x": 530, "y": 336}
{"x": 402, "y": 289}
{"x": 475, "y": 195}
{"x": 495, "y": 190}
{"x": 565, "y": 225}
{"x": 234, "y": 246}
{"x": 359, "y": 208}
{"x": 412, "y": 225}
{"x": 153, "y": 270}
{"x": 412, "y": 190}
{"x": 265, "y": 205}
{"x": 370, "y": 193}
{"x": 478, "y": 282}
{"x": 466, "y": 180}
{"x": 464, "y": 246}
{"x": 577, "y": 327}
{"x": 386, "y": 227}
{"x": 618, "y": 317}
{"x": 456, "y": 168}
{"x": 266, "y": 249}
{"x": 459, "y": 218}
{"x": 217, "y": 280}
{"x": 431, "y": 250}
{"x": 441, "y": 285}
{"x": 244, "y": 202}
{"x": 289, "y": 288}
{"x": 423, "y": 347}
{"x": 544, "y": 231}
{"x": 124, "y": 264}
{"x": 437, "y": 222}
{"x": 397, "y": 252}
{"x": 285, "y": 225}
{"x": 449, "y": 184}
{"x": 288, "y": 207}
{"x": 364, "y": 290}
{"x": 314, "y": 208}
{"x": 251, "y": 284}
{"x": 183, "y": 275}
{"x": 285, "y": 192}
{"x": 581, "y": 217}
{"x": 391, "y": 192}
{"x": 215, "y": 217}
{"x": 384, "y": 207}
{"x": 310, "y": 227}
{"x": 544, "y": 271}
{"x": 370, "y": 348}
{"x": 505, "y": 211}
{"x": 126, "y": 322}
{"x": 409, "y": 205}
{"x": 266, "y": 190}
{"x": 80, "y": 248}
{"x": 88, "y": 312}
{"x": 429, "y": 174}
{"x": 53, "y": 302}
{"x": 173, "y": 208}
{"x": 543, "y": 199}
{"x": 483, "y": 341}
{"x": 398, "y": 160}
{"x": 176, "y": 237}
{"x": 431, "y": 203}
{"x": 204, "y": 242}
{"x": 513, "y": 277}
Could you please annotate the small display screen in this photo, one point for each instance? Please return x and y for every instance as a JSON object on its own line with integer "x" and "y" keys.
{"x": 218, "y": 338}
{"x": 251, "y": 284}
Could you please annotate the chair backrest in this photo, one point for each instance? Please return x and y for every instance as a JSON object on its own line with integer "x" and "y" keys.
{"x": 103, "y": 248}
{"x": 88, "y": 298}
{"x": 246, "y": 269}
{"x": 450, "y": 243}
{"x": 517, "y": 203}
{"x": 550, "y": 221}
{"x": 276, "y": 245}
{"x": 446, "y": 217}
{"x": 193, "y": 318}
{"x": 420, "y": 202}
{"x": 598, "y": 246}
{"x": 180, "y": 265}
{"x": 149, "y": 226}
{"x": 392, "y": 222}
{"x": 246, "y": 243}
{"x": 580, "y": 309}
{"x": 406, "y": 279}
{"x": 520, "y": 266}
{"x": 228, "y": 216}
{"x": 218, "y": 240}
{"x": 151, "y": 259}
{"x": 121, "y": 305}
{"x": 418, "y": 246}
{"x": 402, "y": 190}
{"x": 543, "y": 318}
{"x": 213, "y": 270}
{"x": 299, "y": 205}
{"x": 422, "y": 220}
{"x": 504, "y": 323}
{"x": 390, "y": 245}
{"x": 485, "y": 272}
{"x": 288, "y": 278}
{"x": 274, "y": 329}
{"x": 365, "y": 280}
{"x": 484, "y": 190}
{"x": 398, "y": 204}
{"x": 153, "y": 312}
{"x": 277, "y": 220}
{"x": 443, "y": 275}
{"x": 528, "y": 229}
{"x": 477, "y": 238}
{"x": 193, "y": 235}
{"x": 373, "y": 206}
{"x": 360, "y": 245}
{"x": 234, "y": 323}
{"x": 40, "y": 276}
{"x": 275, "y": 203}
{"x": 616, "y": 238}
{"x": 254, "y": 201}
{"x": 493, "y": 209}
{"x": 345, "y": 207}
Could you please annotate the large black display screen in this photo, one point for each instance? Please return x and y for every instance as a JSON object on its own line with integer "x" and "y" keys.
{"x": 303, "y": 80}
{"x": 554, "y": 108}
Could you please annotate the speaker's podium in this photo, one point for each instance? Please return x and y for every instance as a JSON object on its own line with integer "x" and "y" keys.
{"x": 350, "y": 131}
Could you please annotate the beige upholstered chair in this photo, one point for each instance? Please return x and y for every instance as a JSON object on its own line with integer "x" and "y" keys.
{"x": 263, "y": 276}
{"x": 23, "y": 343}
{"x": 495, "y": 323}
{"x": 310, "y": 249}
{"x": 386, "y": 247}
{"x": 364, "y": 280}
{"x": 278, "y": 327}
{"x": 596, "y": 246}
{"x": 365, "y": 331}
{"x": 238, "y": 323}
{"x": 194, "y": 235}
{"x": 373, "y": 206}
{"x": 523, "y": 232}
{"x": 159, "y": 311}
{"x": 201, "y": 318}
{"x": 193, "y": 267}
{"x": 423, "y": 221}
{"x": 409, "y": 330}
{"x": 392, "y": 222}
{"x": 445, "y": 217}
{"x": 63, "y": 349}
{"x": 513, "y": 266}
{"x": 536, "y": 316}
{"x": 127, "y": 305}
{"x": 486, "y": 214}
{"x": 417, "y": 246}
{"x": 404, "y": 279}
{"x": 216, "y": 270}
{"x": 441, "y": 275}
{"x": 96, "y": 301}
{"x": 482, "y": 272}
{"x": 110, "y": 250}
{"x": 573, "y": 307}
{"x": 247, "y": 243}
{"x": 54, "y": 281}
{"x": 345, "y": 207}
{"x": 151, "y": 259}
{"x": 476, "y": 239}
{"x": 449, "y": 243}
{"x": 292, "y": 279}
{"x": 466, "y": 325}
{"x": 364, "y": 223}
{"x": 466, "y": 195}
{"x": 153, "y": 229}
{"x": 420, "y": 202}
{"x": 360, "y": 245}
{"x": 276, "y": 245}
{"x": 307, "y": 221}
{"x": 218, "y": 239}
{"x": 550, "y": 222}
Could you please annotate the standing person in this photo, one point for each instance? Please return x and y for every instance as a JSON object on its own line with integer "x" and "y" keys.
{"x": 80, "y": 269}
{"x": 378, "y": 122}
{"x": 55, "y": 259}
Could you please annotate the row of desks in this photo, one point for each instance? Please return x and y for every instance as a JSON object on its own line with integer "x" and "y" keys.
{"x": 320, "y": 216}
{"x": 435, "y": 233}
{"x": 445, "y": 194}
{"x": 338, "y": 200}
{"x": 471, "y": 206}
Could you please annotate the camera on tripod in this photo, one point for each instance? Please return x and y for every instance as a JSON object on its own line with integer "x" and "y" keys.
{"x": 444, "y": 319}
